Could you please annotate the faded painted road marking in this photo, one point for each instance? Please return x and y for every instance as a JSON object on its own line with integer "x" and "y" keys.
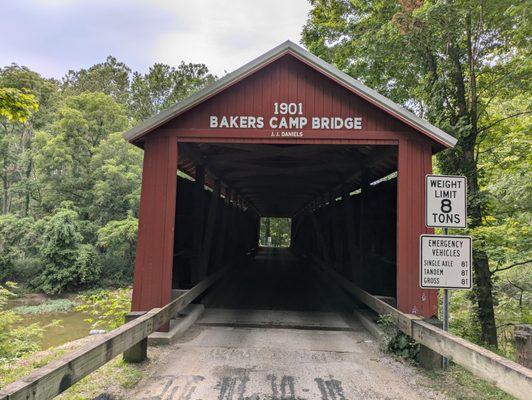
{"x": 330, "y": 389}
{"x": 175, "y": 387}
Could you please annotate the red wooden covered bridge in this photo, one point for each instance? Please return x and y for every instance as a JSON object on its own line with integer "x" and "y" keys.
{"x": 286, "y": 135}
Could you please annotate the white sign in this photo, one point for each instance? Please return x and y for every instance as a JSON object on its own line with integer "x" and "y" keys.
{"x": 445, "y": 262}
{"x": 446, "y": 201}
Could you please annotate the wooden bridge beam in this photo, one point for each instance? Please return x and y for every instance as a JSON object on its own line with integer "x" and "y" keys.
{"x": 350, "y": 234}
{"x": 199, "y": 221}
{"x": 221, "y": 241}
{"x": 209, "y": 230}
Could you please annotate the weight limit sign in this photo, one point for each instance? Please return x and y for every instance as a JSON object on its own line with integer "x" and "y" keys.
{"x": 446, "y": 201}
{"x": 445, "y": 262}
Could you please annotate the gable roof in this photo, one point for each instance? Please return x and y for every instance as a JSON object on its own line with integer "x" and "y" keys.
{"x": 317, "y": 63}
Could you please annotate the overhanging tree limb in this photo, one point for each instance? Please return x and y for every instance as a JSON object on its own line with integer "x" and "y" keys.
{"x": 510, "y": 266}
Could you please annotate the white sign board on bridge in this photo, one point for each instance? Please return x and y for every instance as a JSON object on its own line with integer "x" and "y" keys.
{"x": 446, "y": 201}
{"x": 445, "y": 262}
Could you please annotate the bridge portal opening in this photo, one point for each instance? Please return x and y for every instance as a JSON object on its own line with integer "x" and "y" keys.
{"x": 333, "y": 204}
{"x": 275, "y": 232}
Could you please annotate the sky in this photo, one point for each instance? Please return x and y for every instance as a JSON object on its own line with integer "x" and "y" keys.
{"x": 53, "y": 36}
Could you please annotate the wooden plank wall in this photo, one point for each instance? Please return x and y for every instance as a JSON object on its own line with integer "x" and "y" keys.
{"x": 227, "y": 231}
{"x": 358, "y": 242}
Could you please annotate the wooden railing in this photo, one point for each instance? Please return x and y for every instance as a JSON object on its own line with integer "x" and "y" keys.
{"x": 57, "y": 376}
{"x": 507, "y": 375}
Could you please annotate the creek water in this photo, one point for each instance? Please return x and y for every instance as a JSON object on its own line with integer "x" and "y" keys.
{"x": 71, "y": 326}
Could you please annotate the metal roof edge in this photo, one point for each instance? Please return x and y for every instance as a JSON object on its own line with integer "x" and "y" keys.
{"x": 288, "y": 46}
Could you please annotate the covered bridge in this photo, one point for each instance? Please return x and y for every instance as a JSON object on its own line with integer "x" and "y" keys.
{"x": 286, "y": 135}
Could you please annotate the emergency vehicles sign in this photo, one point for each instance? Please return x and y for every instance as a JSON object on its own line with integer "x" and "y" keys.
{"x": 446, "y": 198}
{"x": 445, "y": 262}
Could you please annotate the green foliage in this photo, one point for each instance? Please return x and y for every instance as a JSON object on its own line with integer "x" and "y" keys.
{"x": 278, "y": 229}
{"x": 64, "y": 154}
{"x": 67, "y": 263}
{"x": 106, "y": 308}
{"x": 17, "y": 247}
{"x": 164, "y": 85}
{"x": 117, "y": 239}
{"x": 15, "y": 340}
{"x": 395, "y": 341}
{"x": 458, "y": 383}
{"x": 117, "y": 171}
{"x": 15, "y": 105}
{"x": 62, "y": 142}
{"x": 111, "y": 77}
{"x": 49, "y": 306}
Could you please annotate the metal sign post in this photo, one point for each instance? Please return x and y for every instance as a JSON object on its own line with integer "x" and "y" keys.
{"x": 445, "y": 261}
{"x": 445, "y": 360}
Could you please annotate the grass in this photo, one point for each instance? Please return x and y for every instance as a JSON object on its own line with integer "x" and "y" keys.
{"x": 458, "y": 383}
{"x": 11, "y": 371}
{"x": 49, "y": 306}
{"x": 113, "y": 377}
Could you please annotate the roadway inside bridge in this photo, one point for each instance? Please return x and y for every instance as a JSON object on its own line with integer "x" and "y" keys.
{"x": 275, "y": 279}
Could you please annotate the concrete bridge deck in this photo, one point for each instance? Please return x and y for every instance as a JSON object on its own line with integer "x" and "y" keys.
{"x": 272, "y": 330}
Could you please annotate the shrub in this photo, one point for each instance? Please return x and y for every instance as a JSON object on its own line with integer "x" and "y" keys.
{"x": 18, "y": 246}
{"x": 396, "y": 341}
{"x": 67, "y": 263}
{"x": 107, "y": 309}
{"x": 117, "y": 240}
{"x": 15, "y": 340}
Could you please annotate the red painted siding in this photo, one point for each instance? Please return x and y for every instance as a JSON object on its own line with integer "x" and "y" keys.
{"x": 285, "y": 80}
{"x": 153, "y": 265}
{"x": 414, "y": 163}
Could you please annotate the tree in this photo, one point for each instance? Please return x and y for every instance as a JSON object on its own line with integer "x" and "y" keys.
{"x": 111, "y": 77}
{"x": 16, "y": 106}
{"x": 164, "y": 86}
{"x": 118, "y": 241}
{"x": 117, "y": 176}
{"x": 18, "y": 134}
{"x": 18, "y": 247}
{"x": 447, "y": 61}
{"x": 71, "y": 149}
{"x": 65, "y": 152}
{"x": 67, "y": 262}
{"x": 15, "y": 109}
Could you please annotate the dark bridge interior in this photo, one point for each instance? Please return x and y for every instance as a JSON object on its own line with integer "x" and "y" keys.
{"x": 341, "y": 215}
{"x": 279, "y": 180}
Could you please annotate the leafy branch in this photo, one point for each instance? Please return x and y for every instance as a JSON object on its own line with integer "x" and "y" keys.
{"x": 507, "y": 267}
